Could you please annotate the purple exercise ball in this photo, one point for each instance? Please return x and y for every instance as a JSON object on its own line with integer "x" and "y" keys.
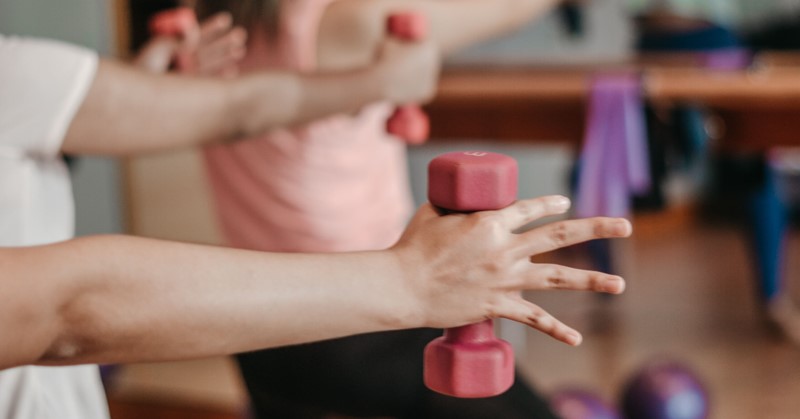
{"x": 581, "y": 404}
{"x": 665, "y": 390}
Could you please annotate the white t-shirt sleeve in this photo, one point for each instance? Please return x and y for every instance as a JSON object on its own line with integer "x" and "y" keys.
{"x": 42, "y": 85}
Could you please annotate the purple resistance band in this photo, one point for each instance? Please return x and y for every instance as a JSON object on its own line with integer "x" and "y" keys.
{"x": 614, "y": 160}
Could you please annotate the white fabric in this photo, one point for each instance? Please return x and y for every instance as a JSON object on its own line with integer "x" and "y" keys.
{"x": 42, "y": 84}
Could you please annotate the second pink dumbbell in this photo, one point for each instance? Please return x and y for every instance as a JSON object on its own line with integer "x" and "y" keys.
{"x": 408, "y": 122}
{"x": 469, "y": 361}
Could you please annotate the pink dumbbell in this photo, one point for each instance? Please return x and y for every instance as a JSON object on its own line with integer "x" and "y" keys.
{"x": 173, "y": 22}
{"x": 469, "y": 361}
{"x": 408, "y": 122}
{"x": 176, "y": 23}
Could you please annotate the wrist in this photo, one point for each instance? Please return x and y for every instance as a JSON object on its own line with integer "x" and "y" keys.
{"x": 403, "y": 289}
{"x": 253, "y": 102}
{"x": 375, "y": 81}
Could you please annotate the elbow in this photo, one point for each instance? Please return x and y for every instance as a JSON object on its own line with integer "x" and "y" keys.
{"x": 63, "y": 344}
{"x": 36, "y": 342}
{"x": 40, "y": 320}
{"x": 78, "y": 333}
{"x": 64, "y": 351}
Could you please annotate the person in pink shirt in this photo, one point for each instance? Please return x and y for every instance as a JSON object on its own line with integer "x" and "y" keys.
{"x": 335, "y": 185}
{"x": 67, "y": 303}
{"x": 340, "y": 184}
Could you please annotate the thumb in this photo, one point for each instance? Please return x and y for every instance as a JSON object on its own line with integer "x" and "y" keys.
{"x": 157, "y": 54}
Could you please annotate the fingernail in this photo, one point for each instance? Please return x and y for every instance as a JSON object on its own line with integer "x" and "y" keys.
{"x": 561, "y": 203}
{"x": 615, "y": 285}
{"x": 625, "y": 227}
{"x": 574, "y": 338}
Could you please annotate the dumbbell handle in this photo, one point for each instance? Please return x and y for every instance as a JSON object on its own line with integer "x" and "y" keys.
{"x": 469, "y": 361}
{"x": 408, "y": 122}
{"x": 476, "y": 332}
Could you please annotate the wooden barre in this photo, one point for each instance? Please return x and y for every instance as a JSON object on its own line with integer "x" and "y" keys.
{"x": 765, "y": 85}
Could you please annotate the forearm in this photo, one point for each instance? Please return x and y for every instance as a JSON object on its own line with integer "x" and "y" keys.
{"x": 132, "y": 299}
{"x": 453, "y": 24}
{"x": 127, "y": 111}
{"x": 124, "y": 299}
{"x": 305, "y": 98}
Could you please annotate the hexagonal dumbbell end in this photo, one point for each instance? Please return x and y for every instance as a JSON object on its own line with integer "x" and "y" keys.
{"x": 469, "y": 361}
{"x": 408, "y": 122}
{"x": 408, "y": 26}
{"x": 472, "y": 181}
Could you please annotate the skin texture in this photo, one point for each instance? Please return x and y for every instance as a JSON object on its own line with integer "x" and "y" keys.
{"x": 452, "y": 25}
{"x": 172, "y": 111}
{"x": 132, "y": 299}
{"x": 122, "y": 299}
{"x": 215, "y": 45}
{"x": 348, "y": 376}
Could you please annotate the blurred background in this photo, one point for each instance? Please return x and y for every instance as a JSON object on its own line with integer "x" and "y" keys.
{"x": 714, "y": 238}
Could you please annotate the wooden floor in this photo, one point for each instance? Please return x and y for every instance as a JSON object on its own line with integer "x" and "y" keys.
{"x": 690, "y": 298}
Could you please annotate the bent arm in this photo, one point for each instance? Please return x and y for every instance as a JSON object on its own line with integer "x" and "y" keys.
{"x": 128, "y": 111}
{"x": 452, "y": 24}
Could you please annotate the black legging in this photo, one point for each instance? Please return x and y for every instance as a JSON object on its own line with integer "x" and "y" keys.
{"x": 373, "y": 375}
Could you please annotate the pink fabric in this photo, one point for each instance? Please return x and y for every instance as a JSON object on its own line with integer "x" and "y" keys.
{"x": 338, "y": 184}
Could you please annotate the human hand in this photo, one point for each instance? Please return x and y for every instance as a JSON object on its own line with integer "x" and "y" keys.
{"x": 466, "y": 268}
{"x": 409, "y": 72}
{"x": 212, "y": 48}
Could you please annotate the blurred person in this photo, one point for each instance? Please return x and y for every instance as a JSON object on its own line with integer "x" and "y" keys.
{"x": 340, "y": 184}
{"x": 738, "y": 184}
{"x": 122, "y": 299}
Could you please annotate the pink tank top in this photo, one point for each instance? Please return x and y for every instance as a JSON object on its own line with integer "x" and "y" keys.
{"x": 338, "y": 184}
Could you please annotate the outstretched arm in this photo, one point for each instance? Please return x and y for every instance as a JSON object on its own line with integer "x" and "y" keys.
{"x": 129, "y": 111}
{"x": 124, "y": 299}
{"x": 453, "y": 24}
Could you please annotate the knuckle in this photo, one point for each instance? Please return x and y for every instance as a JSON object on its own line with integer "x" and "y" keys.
{"x": 537, "y": 318}
{"x": 601, "y": 227}
{"x": 555, "y": 282}
{"x": 594, "y": 281}
{"x": 530, "y": 208}
{"x": 490, "y": 221}
{"x": 559, "y": 234}
{"x": 556, "y": 277}
{"x": 533, "y": 319}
